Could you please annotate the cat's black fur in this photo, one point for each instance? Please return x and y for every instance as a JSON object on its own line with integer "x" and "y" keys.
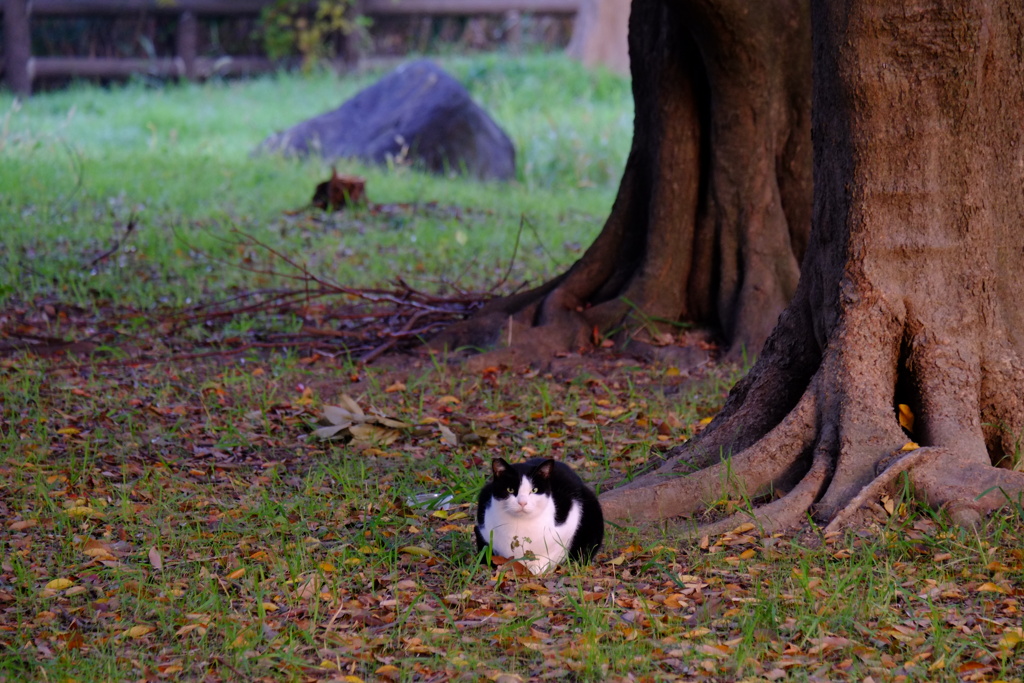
{"x": 563, "y": 485}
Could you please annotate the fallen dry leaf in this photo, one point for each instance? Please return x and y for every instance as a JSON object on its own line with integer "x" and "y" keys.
{"x": 906, "y": 417}
{"x": 989, "y": 587}
{"x": 138, "y": 631}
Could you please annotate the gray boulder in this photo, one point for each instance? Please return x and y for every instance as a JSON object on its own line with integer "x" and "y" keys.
{"x": 418, "y": 113}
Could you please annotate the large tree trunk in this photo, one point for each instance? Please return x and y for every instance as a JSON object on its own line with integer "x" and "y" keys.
{"x": 713, "y": 211}
{"x": 910, "y": 290}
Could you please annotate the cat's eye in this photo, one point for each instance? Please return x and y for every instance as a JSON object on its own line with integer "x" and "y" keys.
{"x": 510, "y": 490}
{"x": 535, "y": 489}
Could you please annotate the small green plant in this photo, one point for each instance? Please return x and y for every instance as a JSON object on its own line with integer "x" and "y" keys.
{"x": 314, "y": 31}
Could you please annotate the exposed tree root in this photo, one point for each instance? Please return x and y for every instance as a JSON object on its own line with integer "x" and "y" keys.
{"x": 851, "y": 427}
{"x": 967, "y": 492}
{"x": 750, "y": 472}
{"x": 876, "y": 488}
{"x": 784, "y": 513}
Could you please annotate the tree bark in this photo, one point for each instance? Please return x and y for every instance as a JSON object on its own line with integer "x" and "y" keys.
{"x": 713, "y": 210}
{"x": 909, "y": 292}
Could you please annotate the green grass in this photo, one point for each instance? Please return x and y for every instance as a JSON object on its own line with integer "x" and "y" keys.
{"x": 285, "y": 557}
{"x": 197, "y": 531}
{"x": 77, "y": 165}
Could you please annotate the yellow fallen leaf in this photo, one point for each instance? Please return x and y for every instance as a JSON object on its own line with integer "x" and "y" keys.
{"x": 448, "y": 399}
{"x": 889, "y": 504}
{"x": 906, "y": 417}
{"x": 415, "y": 550}
{"x": 243, "y": 639}
{"x": 138, "y": 631}
{"x": 326, "y": 567}
{"x": 743, "y": 528}
{"x": 499, "y": 677}
{"x": 270, "y": 606}
{"x": 83, "y": 511}
{"x": 328, "y": 664}
{"x": 200, "y": 629}
{"x": 910, "y": 446}
{"x": 672, "y": 372}
{"x": 372, "y": 434}
{"x": 69, "y": 431}
{"x": 60, "y": 584}
{"x": 1012, "y": 637}
{"x": 613, "y": 412}
{"x": 237, "y": 574}
{"x": 99, "y": 553}
{"x": 389, "y": 671}
{"x": 747, "y": 554}
{"x": 705, "y": 421}
{"x": 628, "y": 634}
{"x": 94, "y": 544}
{"x": 397, "y": 386}
{"x": 989, "y": 587}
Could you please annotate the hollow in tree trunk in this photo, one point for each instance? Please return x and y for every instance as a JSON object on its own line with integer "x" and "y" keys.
{"x": 910, "y": 291}
{"x": 712, "y": 215}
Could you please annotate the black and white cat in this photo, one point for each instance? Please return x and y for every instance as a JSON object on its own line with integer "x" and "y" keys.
{"x": 541, "y": 510}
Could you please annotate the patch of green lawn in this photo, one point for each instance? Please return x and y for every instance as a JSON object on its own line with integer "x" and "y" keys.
{"x": 78, "y": 166}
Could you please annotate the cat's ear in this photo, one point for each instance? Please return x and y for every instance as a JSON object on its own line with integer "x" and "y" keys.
{"x": 545, "y": 469}
{"x": 499, "y": 467}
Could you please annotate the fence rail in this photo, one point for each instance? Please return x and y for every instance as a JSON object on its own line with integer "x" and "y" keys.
{"x": 21, "y": 68}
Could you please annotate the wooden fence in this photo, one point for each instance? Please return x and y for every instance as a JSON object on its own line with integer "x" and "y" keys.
{"x": 21, "y": 68}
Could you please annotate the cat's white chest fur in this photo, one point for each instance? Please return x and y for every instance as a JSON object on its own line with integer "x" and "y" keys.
{"x": 524, "y": 524}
